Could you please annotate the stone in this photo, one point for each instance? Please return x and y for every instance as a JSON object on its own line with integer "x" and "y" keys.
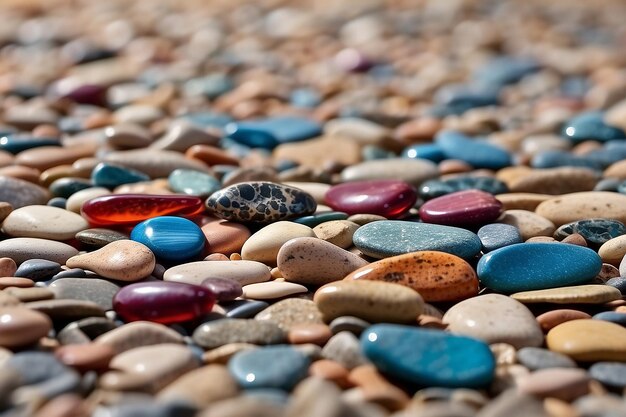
{"x": 21, "y": 326}
{"x": 437, "y": 276}
{"x": 440, "y": 187}
{"x": 201, "y": 387}
{"x": 320, "y": 151}
{"x": 123, "y": 260}
{"x": 373, "y": 239}
{"x": 411, "y": 171}
{"x": 19, "y": 193}
{"x": 181, "y": 135}
{"x": 223, "y": 289}
{"x": 537, "y": 266}
{"x": 263, "y": 246}
{"x": 136, "y": 334}
{"x": 244, "y": 406}
{"x": 86, "y": 357}
{"x": 37, "y": 269}
{"x": 271, "y": 132}
{"x": 99, "y": 237}
{"x": 376, "y": 389}
{"x": 611, "y": 316}
{"x": 97, "y": 290}
{"x": 388, "y": 198}
{"x": 244, "y": 272}
{"x": 613, "y": 250}
{"x": 127, "y": 136}
{"x": 362, "y": 131}
{"x": 528, "y": 223}
{"x": 522, "y": 201}
{"x": 75, "y": 202}
{"x": 313, "y": 261}
{"x": 535, "y": 358}
{"x": 43, "y": 222}
{"x": 513, "y": 403}
{"x": 21, "y": 249}
{"x": 564, "y": 384}
{"x": 155, "y": 163}
{"x": 590, "y": 125}
{"x": 170, "y": 238}
{"x": 5, "y": 210}
{"x": 461, "y": 208}
{"x": 272, "y": 290}
{"x": 598, "y": 231}
{"x": 580, "y": 206}
{"x": 317, "y": 334}
{"x": 194, "y": 183}
{"x": 225, "y": 237}
{"x": 337, "y": 232}
{"x": 110, "y": 175}
{"x": 222, "y": 332}
{"x": 260, "y": 202}
{"x": 497, "y": 235}
{"x": 611, "y": 374}
{"x": 415, "y": 355}
{"x": 291, "y": 312}
{"x": 479, "y": 154}
{"x": 7, "y": 267}
{"x": 26, "y": 295}
{"x": 580, "y": 294}
{"x": 373, "y": 301}
{"x": 322, "y": 216}
{"x": 553, "y": 318}
{"x": 494, "y": 318}
{"x": 66, "y": 310}
{"x": 555, "y": 181}
{"x": 589, "y": 340}
{"x": 269, "y": 367}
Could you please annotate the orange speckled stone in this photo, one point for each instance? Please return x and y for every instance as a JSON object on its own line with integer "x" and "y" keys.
{"x": 437, "y": 276}
{"x": 555, "y": 317}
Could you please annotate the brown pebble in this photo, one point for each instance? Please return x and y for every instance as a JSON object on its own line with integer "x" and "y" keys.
{"x": 555, "y": 317}
{"x": 30, "y": 294}
{"x": 224, "y": 236}
{"x": 222, "y": 354}
{"x": 317, "y": 334}
{"x": 46, "y": 131}
{"x": 8, "y": 300}
{"x": 7, "y": 282}
{"x": 21, "y": 326}
{"x": 545, "y": 239}
{"x": 276, "y": 273}
{"x": 66, "y": 405}
{"x": 235, "y": 257}
{"x": 575, "y": 239}
{"x": 21, "y": 172}
{"x": 211, "y": 155}
{"x": 377, "y": 389}
{"x": 331, "y": 371}
{"x": 454, "y": 166}
{"x": 86, "y": 357}
{"x": 7, "y": 265}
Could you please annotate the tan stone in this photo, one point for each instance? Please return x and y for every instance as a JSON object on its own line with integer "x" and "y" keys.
{"x": 586, "y": 205}
{"x": 337, "y": 232}
{"x": 529, "y": 223}
{"x": 589, "y": 340}
{"x": 201, "y": 387}
{"x": 319, "y": 152}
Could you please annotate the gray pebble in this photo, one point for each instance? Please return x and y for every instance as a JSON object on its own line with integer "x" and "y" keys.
{"x": 538, "y": 358}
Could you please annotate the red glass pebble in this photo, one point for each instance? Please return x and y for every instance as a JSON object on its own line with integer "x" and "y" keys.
{"x": 463, "y": 208}
{"x": 128, "y": 209}
{"x": 389, "y": 198}
{"x": 163, "y": 302}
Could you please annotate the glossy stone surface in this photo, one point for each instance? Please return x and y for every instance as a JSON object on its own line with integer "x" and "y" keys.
{"x": 373, "y": 239}
{"x": 194, "y": 183}
{"x": 535, "y": 266}
{"x": 498, "y": 235}
{"x": 428, "y": 357}
{"x": 589, "y": 340}
{"x": 110, "y": 176}
{"x": 319, "y": 218}
{"x": 386, "y": 198}
{"x": 18, "y": 143}
{"x": 271, "y": 132}
{"x": 462, "y": 208}
{"x": 223, "y": 289}
{"x": 591, "y": 126}
{"x": 437, "y": 188}
{"x": 475, "y": 152}
{"x": 128, "y": 209}
{"x": 163, "y": 302}
{"x": 170, "y": 238}
{"x": 260, "y": 202}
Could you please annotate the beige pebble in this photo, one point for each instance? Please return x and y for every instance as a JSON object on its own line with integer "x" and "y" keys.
{"x": 522, "y": 201}
{"x": 222, "y": 354}
{"x": 44, "y": 222}
{"x": 201, "y": 387}
{"x": 45, "y": 157}
{"x": 373, "y": 301}
{"x": 24, "y": 173}
{"x": 26, "y": 295}
{"x": 244, "y": 272}
{"x": 362, "y": 219}
{"x": 555, "y": 181}
{"x": 529, "y": 224}
{"x": 413, "y": 171}
{"x": 8, "y": 300}
{"x": 316, "y": 189}
{"x": 21, "y": 326}
{"x": 376, "y": 389}
{"x": 291, "y": 312}
{"x": 503, "y": 353}
{"x": 7, "y": 267}
{"x": 154, "y": 162}
{"x": 614, "y": 250}
{"x": 561, "y": 383}
{"x": 15, "y": 282}
{"x": 75, "y": 201}
{"x": 137, "y": 114}
{"x": 362, "y": 131}
{"x": 586, "y": 205}
{"x": 127, "y": 136}
{"x": 616, "y": 115}
{"x": 124, "y": 260}
{"x": 21, "y": 249}
{"x": 65, "y": 405}
{"x": 337, "y": 232}
{"x": 263, "y": 246}
{"x": 317, "y": 152}
{"x": 580, "y": 294}
{"x": 589, "y": 340}
{"x": 138, "y": 333}
{"x": 181, "y": 135}
{"x": 272, "y": 290}
{"x": 616, "y": 170}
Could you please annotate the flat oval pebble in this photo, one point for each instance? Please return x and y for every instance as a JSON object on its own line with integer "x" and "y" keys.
{"x": 218, "y": 333}
{"x": 439, "y": 187}
{"x": 313, "y": 261}
{"x": 580, "y": 294}
{"x": 495, "y": 318}
{"x": 21, "y": 249}
{"x": 613, "y": 250}
{"x": 611, "y": 374}
{"x": 197, "y": 387}
{"x": 263, "y": 246}
{"x": 373, "y": 301}
{"x": 591, "y": 125}
{"x": 37, "y": 269}
{"x": 98, "y": 237}
{"x": 429, "y": 357}
{"x": 170, "y": 238}
{"x": 291, "y": 312}
{"x": 461, "y": 208}
{"x": 44, "y": 222}
{"x": 537, "y": 266}
{"x": 225, "y": 237}
{"x": 528, "y": 223}
{"x": 124, "y": 260}
{"x": 535, "y": 358}
{"x": 495, "y": 236}
{"x": 580, "y": 206}
{"x": 437, "y": 276}
{"x": 155, "y": 163}
{"x": 260, "y": 202}
{"x": 138, "y": 333}
{"x": 20, "y": 193}
{"x": 611, "y": 316}
{"x": 337, "y": 232}
{"x": 244, "y": 272}
{"x": 269, "y": 133}
{"x": 477, "y": 153}
{"x": 553, "y": 318}
{"x": 99, "y": 291}
{"x": 373, "y": 239}
{"x": 589, "y": 340}
{"x": 271, "y": 290}
{"x": 195, "y": 183}
{"x": 386, "y": 198}
{"x": 411, "y": 171}
{"x": 223, "y": 289}
{"x": 562, "y": 383}
{"x": 110, "y": 175}
{"x": 21, "y": 326}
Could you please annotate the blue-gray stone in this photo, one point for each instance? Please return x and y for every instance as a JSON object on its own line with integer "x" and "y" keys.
{"x": 555, "y": 159}
{"x": 535, "y": 358}
{"x": 243, "y": 309}
{"x": 97, "y": 290}
{"x": 150, "y": 409}
{"x": 504, "y": 70}
{"x": 595, "y": 231}
{"x": 476, "y": 152}
{"x": 65, "y": 187}
{"x": 17, "y": 143}
{"x": 606, "y": 156}
{"x": 536, "y": 266}
{"x": 612, "y": 374}
{"x": 43, "y": 372}
{"x": 271, "y": 132}
{"x": 208, "y": 119}
{"x": 110, "y": 176}
{"x": 59, "y": 202}
{"x": 326, "y": 216}
{"x": 386, "y": 238}
{"x": 428, "y": 357}
{"x": 498, "y": 235}
{"x": 271, "y": 395}
{"x": 467, "y": 96}
{"x": 190, "y": 182}
{"x": 437, "y": 188}
{"x": 607, "y": 184}
{"x": 591, "y": 126}
{"x": 428, "y": 151}
{"x": 269, "y": 367}
{"x": 612, "y": 316}
{"x": 619, "y": 283}
{"x": 371, "y": 152}
{"x": 305, "y": 97}
{"x": 37, "y": 269}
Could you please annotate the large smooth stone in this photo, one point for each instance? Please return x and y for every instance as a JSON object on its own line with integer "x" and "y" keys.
{"x": 373, "y": 239}
{"x": 20, "y": 193}
{"x": 537, "y": 266}
{"x": 20, "y": 326}
{"x": 260, "y": 202}
{"x": 586, "y": 205}
{"x": 263, "y": 246}
{"x": 528, "y": 223}
{"x": 611, "y": 374}
{"x": 271, "y": 132}
{"x": 272, "y": 290}
{"x": 217, "y": 333}
{"x": 386, "y": 198}
{"x": 555, "y": 181}
{"x": 21, "y": 249}
{"x": 477, "y": 153}
{"x": 138, "y": 333}
{"x": 244, "y": 272}
{"x": 44, "y": 222}
{"x": 579, "y": 294}
{"x": 153, "y": 162}
{"x": 437, "y": 276}
{"x": 589, "y": 340}
{"x": 181, "y": 135}
{"x": 124, "y": 260}
{"x": 462, "y": 208}
{"x": 317, "y": 152}
{"x": 535, "y": 358}
{"x": 562, "y": 384}
{"x": 428, "y": 357}
{"x": 309, "y": 260}
{"x": 590, "y": 125}
{"x": 373, "y": 301}
{"x": 170, "y": 238}
{"x": 495, "y": 318}
{"x": 269, "y": 367}
{"x": 412, "y": 171}
{"x": 613, "y": 250}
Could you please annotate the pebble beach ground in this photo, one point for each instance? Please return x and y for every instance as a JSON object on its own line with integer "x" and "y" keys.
{"x": 312, "y": 208}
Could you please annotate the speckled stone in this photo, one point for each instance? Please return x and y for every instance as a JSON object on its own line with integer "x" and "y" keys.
{"x": 535, "y": 358}
{"x": 244, "y": 272}
{"x": 290, "y": 312}
{"x": 263, "y": 246}
{"x": 97, "y": 290}
{"x": 260, "y": 202}
{"x": 218, "y": 333}
{"x": 581, "y": 294}
{"x": 585, "y": 205}
{"x": 43, "y": 222}
{"x": 373, "y": 239}
{"x": 99, "y": 237}
{"x": 21, "y": 249}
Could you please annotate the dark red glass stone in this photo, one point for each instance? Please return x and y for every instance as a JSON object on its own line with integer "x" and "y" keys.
{"x": 462, "y": 208}
{"x": 389, "y": 198}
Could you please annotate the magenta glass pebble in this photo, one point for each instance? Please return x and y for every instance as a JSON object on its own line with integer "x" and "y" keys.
{"x": 389, "y": 198}
{"x": 163, "y": 302}
{"x": 463, "y": 208}
{"x": 224, "y": 289}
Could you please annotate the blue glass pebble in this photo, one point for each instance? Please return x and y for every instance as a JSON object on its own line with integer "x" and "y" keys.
{"x": 536, "y": 266}
{"x": 437, "y": 188}
{"x": 498, "y": 235}
{"x": 18, "y": 143}
{"x": 110, "y": 176}
{"x": 426, "y": 357}
{"x": 278, "y": 366}
{"x": 428, "y": 151}
{"x": 170, "y": 238}
{"x": 59, "y": 202}
{"x": 475, "y": 152}
{"x": 612, "y": 316}
{"x": 591, "y": 126}
{"x": 271, "y": 132}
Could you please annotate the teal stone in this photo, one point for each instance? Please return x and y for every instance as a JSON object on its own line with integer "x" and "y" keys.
{"x": 17, "y": 143}
{"x": 279, "y": 367}
{"x": 110, "y": 176}
{"x": 305, "y": 97}
{"x": 537, "y": 266}
{"x": 170, "y": 238}
{"x": 65, "y": 187}
{"x": 437, "y": 188}
{"x": 244, "y": 309}
{"x": 476, "y": 152}
{"x": 459, "y": 98}
{"x": 591, "y": 126}
{"x": 427, "y": 357}
{"x": 271, "y": 132}
{"x": 190, "y": 182}
{"x": 428, "y": 151}
{"x": 386, "y": 238}
{"x": 322, "y": 217}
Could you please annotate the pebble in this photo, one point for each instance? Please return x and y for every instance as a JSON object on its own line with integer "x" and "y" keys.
{"x": 244, "y": 272}
{"x": 272, "y": 290}
{"x": 537, "y": 266}
{"x": 21, "y": 326}
{"x": 194, "y": 183}
{"x": 313, "y": 261}
{"x": 580, "y": 294}
{"x": 564, "y": 384}
{"x": 319, "y": 151}
{"x": 589, "y": 340}
{"x": 553, "y": 318}
{"x": 225, "y": 237}
{"x": 43, "y": 222}
{"x": 170, "y": 238}
{"x": 580, "y": 206}
{"x": 99, "y": 291}
{"x": 496, "y": 235}
{"x": 440, "y": 187}
{"x": 223, "y": 289}
{"x": 269, "y": 133}
{"x": 338, "y": 232}
{"x": 37, "y": 269}
{"x": 196, "y": 387}
{"x": 611, "y": 316}
{"x": 495, "y": 318}
{"x": 461, "y": 208}
{"x": 136, "y": 334}
{"x": 109, "y": 175}
{"x": 372, "y": 239}
{"x": 610, "y": 374}
{"x": 7, "y": 267}
{"x": 21, "y": 249}
{"x": 386, "y": 198}
{"x": 478, "y": 154}
{"x": 535, "y": 358}
{"x": 99, "y": 237}
{"x": 591, "y": 125}
{"x": 373, "y": 301}
{"x": 263, "y": 246}
{"x": 411, "y": 171}
{"x": 219, "y": 333}
{"x": 291, "y": 312}
{"x": 529, "y": 224}
{"x": 555, "y": 181}
{"x": 86, "y": 357}
{"x": 19, "y": 193}
{"x": 123, "y": 260}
